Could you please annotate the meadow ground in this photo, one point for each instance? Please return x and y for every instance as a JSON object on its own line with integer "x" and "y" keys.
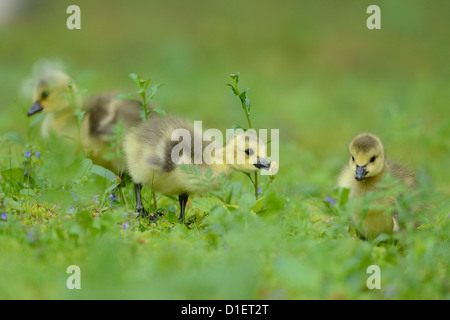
{"x": 314, "y": 71}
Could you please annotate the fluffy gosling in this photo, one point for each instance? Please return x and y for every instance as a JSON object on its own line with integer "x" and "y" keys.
{"x": 153, "y": 159}
{"x": 52, "y": 96}
{"x": 367, "y": 166}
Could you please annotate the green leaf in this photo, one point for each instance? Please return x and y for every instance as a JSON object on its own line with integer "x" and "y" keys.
{"x": 103, "y": 172}
{"x": 79, "y": 114}
{"x": 37, "y": 119}
{"x": 208, "y": 173}
{"x": 86, "y": 166}
{"x": 111, "y": 188}
{"x": 154, "y": 90}
{"x": 232, "y": 88}
{"x": 237, "y": 126}
{"x": 381, "y": 238}
{"x": 243, "y": 96}
{"x": 425, "y": 226}
{"x": 258, "y": 205}
{"x": 206, "y": 204}
{"x": 16, "y": 174}
{"x": 161, "y": 112}
{"x": 146, "y": 83}
{"x": 191, "y": 170}
{"x": 344, "y": 196}
{"x": 249, "y": 176}
{"x": 135, "y": 78}
{"x": 222, "y": 178}
{"x": 28, "y": 192}
{"x": 126, "y": 96}
{"x": 247, "y": 202}
{"x": 172, "y": 217}
{"x": 247, "y": 103}
{"x": 12, "y": 136}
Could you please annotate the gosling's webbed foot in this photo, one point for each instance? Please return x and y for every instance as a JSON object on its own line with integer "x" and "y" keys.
{"x": 140, "y": 208}
{"x": 144, "y": 214}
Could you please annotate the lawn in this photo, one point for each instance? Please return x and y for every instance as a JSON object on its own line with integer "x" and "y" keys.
{"x": 314, "y": 71}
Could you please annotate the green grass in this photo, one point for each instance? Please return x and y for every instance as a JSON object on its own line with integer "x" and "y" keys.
{"x": 313, "y": 70}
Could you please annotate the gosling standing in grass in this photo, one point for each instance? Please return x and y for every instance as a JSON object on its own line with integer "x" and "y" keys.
{"x": 367, "y": 166}
{"x": 57, "y": 96}
{"x": 156, "y": 149}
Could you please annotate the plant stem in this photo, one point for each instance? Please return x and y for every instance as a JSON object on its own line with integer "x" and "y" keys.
{"x": 154, "y": 195}
{"x": 256, "y": 185}
{"x": 243, "y": 104}
{"x": 249, "y": 126}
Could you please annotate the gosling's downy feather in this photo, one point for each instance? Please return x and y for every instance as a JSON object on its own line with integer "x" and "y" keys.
{"x": 367, "y": 152}
{"x": 105, "y": 111}
{"x": 148, "y": 154}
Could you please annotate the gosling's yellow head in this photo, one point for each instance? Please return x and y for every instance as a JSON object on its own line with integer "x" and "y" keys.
{"x": 50, "y": 93}
{"x": 366, "y": 156}
{"x": 248, "y": 152}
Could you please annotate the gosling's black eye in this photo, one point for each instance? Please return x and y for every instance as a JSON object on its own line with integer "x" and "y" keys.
{"x": 44, "y": 94}
{"x": 249, "y": 152}
{"x": 372, "y": 159}
{"x": 353, "y": 158}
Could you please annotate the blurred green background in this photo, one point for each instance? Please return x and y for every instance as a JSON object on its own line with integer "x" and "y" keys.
{"x": 315, "y": 71}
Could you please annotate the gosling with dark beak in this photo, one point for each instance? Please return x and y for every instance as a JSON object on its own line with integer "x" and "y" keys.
{"x": 364, "y": 174}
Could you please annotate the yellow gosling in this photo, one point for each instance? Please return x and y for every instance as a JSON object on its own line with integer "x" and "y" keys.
{"x": 155, "y": 160}
{"x": 56, "y": 95}
{"x": 366, "y": 168}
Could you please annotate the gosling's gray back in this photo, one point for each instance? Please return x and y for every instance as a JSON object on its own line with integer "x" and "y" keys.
{"x": 104, "y": 112}
{"x": 156, "y": 134}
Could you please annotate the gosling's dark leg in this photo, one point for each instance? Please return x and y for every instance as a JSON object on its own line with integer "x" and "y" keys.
{"x": 183, "y": 198}
{"x": 139, "y": 207}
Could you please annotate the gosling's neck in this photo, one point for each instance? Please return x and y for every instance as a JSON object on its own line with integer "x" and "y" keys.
{"x": 218, "y": 163}
{"x": 61, "y": 122}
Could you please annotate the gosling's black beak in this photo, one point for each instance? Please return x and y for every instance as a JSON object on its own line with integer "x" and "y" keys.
{"x": 262, "y": 164}
{"x": 35, "y": 108}
{"x": 360, "y": 172}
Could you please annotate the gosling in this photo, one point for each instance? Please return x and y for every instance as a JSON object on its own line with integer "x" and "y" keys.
{"x": 56, "y": 95}
{"x": 367, "y": 166}
{"x": 157, "y": 150}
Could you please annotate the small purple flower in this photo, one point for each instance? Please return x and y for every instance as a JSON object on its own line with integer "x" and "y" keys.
{"x": 25, "y": 173}
{"x": 124, "y": 215}
{"x": 113, "y": 197}
{"x": 96, "y": 199}
{"x": 330, "y": 200}
{"x": 71, "y": 210}
{"x": 259, "y": 190}
{"x": 4, "y": 215}
{"x": 38, "y": 155}
{"x": 28, "y": 154}
{"x": 125, "y": 225}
